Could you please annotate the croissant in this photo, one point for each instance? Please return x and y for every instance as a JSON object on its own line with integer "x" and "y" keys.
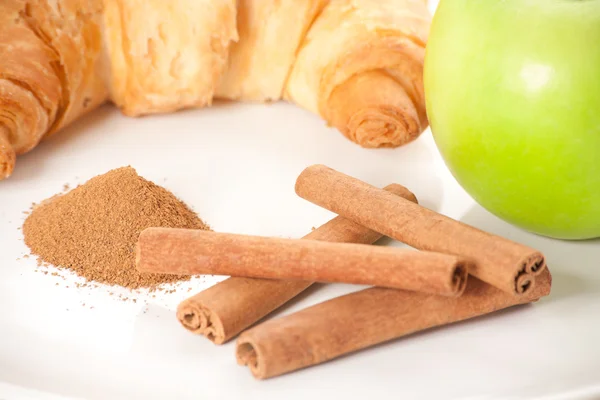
{"x": 51, "y": 63}
{"x": 361, "y": 68}
{"x": 270, "y": 33}
{"x": 356, "y": 63}
{"x": 167, "y": 55}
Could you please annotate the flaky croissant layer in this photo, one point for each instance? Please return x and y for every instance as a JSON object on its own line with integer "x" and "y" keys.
{"x": 356, "y": 63}
{"x": 51, "y": 62}
{"x": 167, "y": 55}
{"x": 361, "y": 68}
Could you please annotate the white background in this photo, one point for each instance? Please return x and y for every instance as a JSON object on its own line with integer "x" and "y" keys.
{"x": 236, "y": 166}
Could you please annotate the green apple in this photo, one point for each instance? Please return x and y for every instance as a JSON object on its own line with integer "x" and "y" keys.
{"x": 513, "y": 98}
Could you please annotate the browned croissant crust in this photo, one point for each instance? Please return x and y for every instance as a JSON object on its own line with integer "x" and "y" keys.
{"x": 51, "y": 62}
{"x": 361, "y": 68}
{"x": 356, "y": 63}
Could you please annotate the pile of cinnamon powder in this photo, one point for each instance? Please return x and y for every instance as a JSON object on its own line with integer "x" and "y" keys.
{"x": 93, "y": 229}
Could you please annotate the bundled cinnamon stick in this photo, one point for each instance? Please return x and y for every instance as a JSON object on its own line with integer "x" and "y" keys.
{"x": 362, "y": 319}
{"x": 500, "y": 262}
{"x": 193, "y": 252}
{"x": 225, "y": 309}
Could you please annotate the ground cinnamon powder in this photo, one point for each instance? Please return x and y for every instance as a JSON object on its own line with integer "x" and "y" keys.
{"x": 92, "y": 230}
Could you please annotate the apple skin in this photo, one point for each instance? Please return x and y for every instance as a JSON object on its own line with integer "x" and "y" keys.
{"x": 513, "y": 99}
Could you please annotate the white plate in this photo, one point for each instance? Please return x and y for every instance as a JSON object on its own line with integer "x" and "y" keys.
{"x": 236, "y": 165}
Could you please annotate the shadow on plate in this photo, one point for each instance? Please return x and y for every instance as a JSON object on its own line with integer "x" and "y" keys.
{"x": 30, "y": 163}
{"x": 157, "y": 334}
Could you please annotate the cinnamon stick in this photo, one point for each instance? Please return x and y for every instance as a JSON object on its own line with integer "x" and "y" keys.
{"x": 500, "y": 262}
{"x": 362, "y": 319}
{"x": 222, "y": 311}
{"x": 191, "y": 252}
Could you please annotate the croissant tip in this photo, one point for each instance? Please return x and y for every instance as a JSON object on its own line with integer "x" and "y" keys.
{"x": 6, "y": 170}
{"x": 8, "y": 158}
